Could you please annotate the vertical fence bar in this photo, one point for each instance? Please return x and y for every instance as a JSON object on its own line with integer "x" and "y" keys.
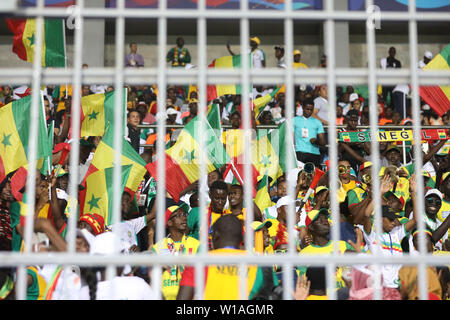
{"x": 246, "y": 119}
{"x": 415, "y": 105}
{"x": 288, "y": 285}
{"x": 374, "y": 151}
{"x": 161, "y": 132}
{"x": 36, "y": 106}
{"x": 332, "y": 150}
{"x": 201, "y": 85}
{"x": 75, "y": 124}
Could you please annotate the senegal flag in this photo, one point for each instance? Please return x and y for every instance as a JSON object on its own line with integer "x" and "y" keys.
{"x": 104, "y": 158}
{"x": 183, "y": 158}
{"x": 438, "y": 97}
{"x": 218, "y": 90}
{"x": 99, "y": 192}
{"x": 260, "y": 103}
{"x": 262, "y": 199}
{"x": 14, "y": 136}
{"x": 53, "y": 44}
{"x": 97, "y": 110}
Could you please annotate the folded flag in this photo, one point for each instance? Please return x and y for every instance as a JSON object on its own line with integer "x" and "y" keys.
{"x": 97, "y": 110}
{"x": 53, "y": 40}
{"x": 183, "y": 158}
{"x": 438, "y": 97}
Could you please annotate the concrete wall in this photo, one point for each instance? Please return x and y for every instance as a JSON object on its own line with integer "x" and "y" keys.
{"x": 216, "y": 48}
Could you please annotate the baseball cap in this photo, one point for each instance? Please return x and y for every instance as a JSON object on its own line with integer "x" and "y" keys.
{"x": 258, "y": 225}
{"x": 392, "y": 146}
{"x": 89, "y": 237}
{"x": 193, "y": 100}
{"x": 171, "y": 111}
{"x": 313, "y": 215}
{"x": 353, "y": 97}
{"x": 297, "y": 52}
{"x": 96, "y": 221}
{"x": 107, "y": 243}
{"x": 428, "y": 54}
{"x": 352, "y": 113}
{"x": 279, "y": 48}
{"x": 284, "y": 201}
{"x": 365, "y": 165}
{"x": 434, "y": 191}
{"x": 402, "y": 200}
{"x": 445, "y": 176}
{"x": 387, "y": 212}
{"x": 256, "y": 39}
{"x": 319, "y": 189}
{"x": 174, "y": 208}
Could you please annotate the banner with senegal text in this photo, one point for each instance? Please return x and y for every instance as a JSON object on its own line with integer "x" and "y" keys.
{"x": 397, "y": 135}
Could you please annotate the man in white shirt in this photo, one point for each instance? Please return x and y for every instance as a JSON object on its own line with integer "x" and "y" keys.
{"x": 321, "y": 105}
{"x": 258, "y": 55}
{"x": 426, "y": 58}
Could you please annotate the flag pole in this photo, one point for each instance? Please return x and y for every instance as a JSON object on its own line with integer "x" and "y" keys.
{"x": 65, "y": 49}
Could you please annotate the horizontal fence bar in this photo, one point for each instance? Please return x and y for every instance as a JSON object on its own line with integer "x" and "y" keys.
{"x": 268, "y": 76}
{"x": 13, "y": 259}
{"x": 316, "y": 15}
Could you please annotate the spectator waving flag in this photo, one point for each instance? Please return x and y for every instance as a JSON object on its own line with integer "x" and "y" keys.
{"x": 218, "y": 90}
{"x": 97, "y": 110}
{"x": 53, "y": 40}
{"x": 260, "y": 103}
{"x": 14, "y": 136}
{"x": 183, "y": 158}
{"x": 438, "y": 97}
{"x": 99, "y": 192}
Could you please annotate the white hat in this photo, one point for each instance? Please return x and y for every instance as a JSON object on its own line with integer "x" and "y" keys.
{"x": 353, "y": 97}
{"x": 434, "y": 191}
{"x": 89, "y": 237}
{"x": 107, "y": 243}
{"x": 284, "y": 201}
{"x": 171, "y": 111}
{"x": 428, "y": 54}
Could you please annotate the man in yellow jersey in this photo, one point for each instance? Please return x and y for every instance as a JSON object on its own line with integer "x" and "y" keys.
{"x": 297, "y": 64}
{"x": 444, "y": 212}
{"x": 175, "y": 243}
{"x": 222, "y": 282}
{"x": 318, "y": 225}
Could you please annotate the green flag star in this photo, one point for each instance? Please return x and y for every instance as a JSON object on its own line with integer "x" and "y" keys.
{"x": 93, "y": 115}
{"x": 93, "y": 203}
{"x": 31, "y": 39}
{"x": 5, "y": 140}
{"x": 265, "y": 160}
{"x": 189, "y": 156}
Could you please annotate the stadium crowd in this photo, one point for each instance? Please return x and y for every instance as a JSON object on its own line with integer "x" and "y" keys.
{"x": 225, "y": 208}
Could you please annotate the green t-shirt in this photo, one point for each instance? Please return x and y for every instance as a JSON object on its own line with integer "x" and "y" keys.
{"x": 193, "y": 222}
{"x": 15, "y": 220}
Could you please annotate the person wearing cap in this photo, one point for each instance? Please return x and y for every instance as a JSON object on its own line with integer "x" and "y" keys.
{"x": 98, "y": 287}
{"x": 391, "y": 238}
{"x": 258, "y": 55}
{"x": 264, "y": 238}
{"x": 296, "y": 63}
{"x": 318, "y": 226}
{"x": 178, "y": 56}
{"x": 176, "y": 242}
{"x": 279, "y": 55}
{"x": 439, "y": 229}
{"x": 427, "y": 57}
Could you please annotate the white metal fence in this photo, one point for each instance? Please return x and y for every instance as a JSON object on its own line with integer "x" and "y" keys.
{"x": 203, "y": 76}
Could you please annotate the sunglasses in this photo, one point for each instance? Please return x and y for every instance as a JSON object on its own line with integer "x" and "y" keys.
{"x": 432, "y": 200}
{"x": 343, "y": 169}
